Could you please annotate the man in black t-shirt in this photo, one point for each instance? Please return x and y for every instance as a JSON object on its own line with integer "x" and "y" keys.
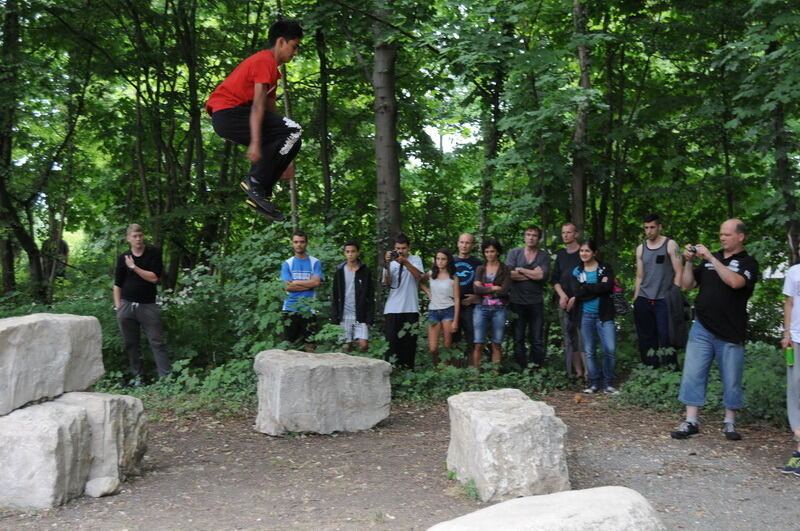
{"x": 135, "y": 277}
{"x": 466, "y": 265}
{"x": 726, "y": 279}
{"x": 567, "y": 259}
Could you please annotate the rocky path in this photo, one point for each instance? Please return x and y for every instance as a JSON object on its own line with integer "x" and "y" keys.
{"x": 207, "y": 473}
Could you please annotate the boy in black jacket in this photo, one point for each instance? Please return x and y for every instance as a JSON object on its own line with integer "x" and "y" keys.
{"x": 353, "y": 303}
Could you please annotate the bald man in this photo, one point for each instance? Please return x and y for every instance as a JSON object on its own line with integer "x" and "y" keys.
{"x": 726, "y": 279}
{"x": 466, "y": 265}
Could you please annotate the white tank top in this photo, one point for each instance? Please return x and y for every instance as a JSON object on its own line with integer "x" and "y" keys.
{"x": 441, "y": 292}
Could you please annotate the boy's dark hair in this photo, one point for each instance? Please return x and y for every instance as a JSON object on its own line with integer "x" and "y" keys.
{"x": 649, "y": 218}
{"x": 451, "y": 264}
{"x": 286, "y": 28}
{"x": 301, "y": 234}
{"x": 353, "y": 243}
{"x": 402, "y": 238}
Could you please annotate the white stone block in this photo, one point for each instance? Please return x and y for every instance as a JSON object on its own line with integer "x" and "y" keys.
{"x": 507, "y": 444}
{"x": 119, "y": 438}
{"x": 320, "y": 393}
{"x": 44, "y": 355}
{"x": 44, "y": 455}
{"x": 598, "y": 509}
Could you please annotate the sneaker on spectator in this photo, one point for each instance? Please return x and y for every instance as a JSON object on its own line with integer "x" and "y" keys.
{"x": 612, "y": 390}
{"x": 729, "y": 429}
{"x": 793, "y": 466}
{"x": 686, "y": 430}
{"x": 591, "y": 390}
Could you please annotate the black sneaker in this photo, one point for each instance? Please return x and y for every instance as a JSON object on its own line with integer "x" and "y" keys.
{"x": 729, "y": 429}
{"x": 272, "y": 213}
{"x": 258, "y": 199}
{"x": 686, "y": 430}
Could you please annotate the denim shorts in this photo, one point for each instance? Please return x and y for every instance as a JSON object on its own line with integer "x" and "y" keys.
{"x": 445, "y": 314}
{"x": 485, "y": 316}
{"x": 703, "y": 348}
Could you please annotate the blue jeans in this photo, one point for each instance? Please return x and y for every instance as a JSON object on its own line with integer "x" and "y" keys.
{"x": 591, "y": 329}
{"x": 703, "y": 348}
{"x": 530, "y": 319}
{"x": 485, "y": 314}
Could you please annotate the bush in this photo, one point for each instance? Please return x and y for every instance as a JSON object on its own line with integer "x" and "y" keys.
{"x": 762, "y": 380}
{"x": 437, "y": 385}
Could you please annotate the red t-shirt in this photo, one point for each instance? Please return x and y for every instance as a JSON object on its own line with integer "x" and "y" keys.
{"x": 238, "y": 88}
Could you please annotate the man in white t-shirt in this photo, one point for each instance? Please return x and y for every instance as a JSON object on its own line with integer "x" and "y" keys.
{"x": 791, "y": 338}
{"x": 401, "y": 274}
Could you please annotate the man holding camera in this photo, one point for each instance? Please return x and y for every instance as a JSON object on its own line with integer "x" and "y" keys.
{"x": 401, "y": 274}
{"x": 726, "y": 279}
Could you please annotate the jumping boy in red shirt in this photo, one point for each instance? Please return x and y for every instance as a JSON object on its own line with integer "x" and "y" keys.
{"x": 242, "y": 110}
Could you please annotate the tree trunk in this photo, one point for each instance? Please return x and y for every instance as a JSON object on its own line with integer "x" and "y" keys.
{"x": 9, "y": 69}
{"x": 324, "y": 149}
{"x": 491, "y": 139}
{"x": 579, "y": 148}
{"x": 784, "y": 180}
{"x": 386, "y": 147}
{"x": 9, "y": 217}
{"x": 287, "y": 111}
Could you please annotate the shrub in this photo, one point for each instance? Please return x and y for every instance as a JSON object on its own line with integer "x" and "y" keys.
{"x": 762, "y": 380}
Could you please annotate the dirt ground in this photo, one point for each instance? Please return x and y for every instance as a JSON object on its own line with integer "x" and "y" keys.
{"x": 212, "y": 473}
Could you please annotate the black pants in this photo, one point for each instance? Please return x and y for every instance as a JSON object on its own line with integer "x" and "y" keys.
{"x": 466, "y": 328}
{"x": 298, "y": 327}
{"x": 652, "y": 327}
{"x": 403, "y": 348}
{"x": 280, "y": 141}
{"x": 529, "y": 323}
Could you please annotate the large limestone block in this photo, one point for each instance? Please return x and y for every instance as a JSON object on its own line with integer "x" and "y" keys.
{"x": 321, "y": 393}
{"x": 44, "y": 455}
{"x": 601, "y": 508}
{"x": 44, "y": 355}
{"x": 507, "y": 443}
{"x": 119, "y": 438}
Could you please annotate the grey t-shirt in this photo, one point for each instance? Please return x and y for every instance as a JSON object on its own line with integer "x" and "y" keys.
{"x": 349, "y": 310}
{"x": 528, "y": 291}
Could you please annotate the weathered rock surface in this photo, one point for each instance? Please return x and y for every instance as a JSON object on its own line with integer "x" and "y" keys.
{"x": 507, "y": 443}
{"x": 320, "y": 393}
{"x": 118, "y": 438}
{"x": 601, "y": 508}
{"x": 44, "y": 455}
{"x": 44, "y": 355}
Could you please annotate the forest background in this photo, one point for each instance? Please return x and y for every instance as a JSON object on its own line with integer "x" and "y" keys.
{"x": 432, "y": 117}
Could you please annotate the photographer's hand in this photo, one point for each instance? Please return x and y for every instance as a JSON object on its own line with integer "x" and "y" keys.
{"x": 703, "y": 252}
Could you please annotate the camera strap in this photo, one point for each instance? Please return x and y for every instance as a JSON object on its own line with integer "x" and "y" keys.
{"x": 399, "y": 277}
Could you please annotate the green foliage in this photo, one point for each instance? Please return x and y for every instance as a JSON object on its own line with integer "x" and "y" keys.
{"x": 763, "y": 382}
{"x": 470, "y": 490}
{"x": 439, "y": 384}
{"x": 653, "y": 388}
